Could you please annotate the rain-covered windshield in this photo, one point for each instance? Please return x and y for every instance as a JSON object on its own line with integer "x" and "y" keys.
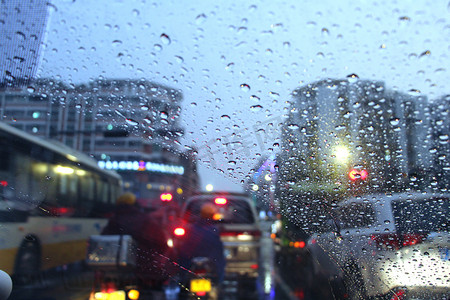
{"x": 115, "y": 114}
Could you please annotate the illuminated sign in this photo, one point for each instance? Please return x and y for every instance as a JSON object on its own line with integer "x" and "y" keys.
{"x": 141, "y": 166}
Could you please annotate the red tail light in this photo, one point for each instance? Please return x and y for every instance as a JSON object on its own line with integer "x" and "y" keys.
{"x": 179, "y": 231}
{"x": 393, "y": 241}
{"x": 220, "y": 201}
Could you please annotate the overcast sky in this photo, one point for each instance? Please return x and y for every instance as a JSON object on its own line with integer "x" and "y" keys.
{"x": 222, "y": 54}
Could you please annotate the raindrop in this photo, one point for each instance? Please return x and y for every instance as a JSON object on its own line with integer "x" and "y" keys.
{"x": 255, "y": 108}
{"x": 179, "y": 59}
{"x": 78, "y": 106}
{"x": 274, "y": 95}
{"x": 18, "y": 59}
{"x": 200, "y": 19}
{"x": 225, "y": 117}
{"x": 132, "y": 122}
{"x": 339, "y": 127}
{"x": 135, "y": 12}
{"x": 404, "y": 18}
{"x": 245, "y": 87}
{"x": 387, "y": 222}
{"x": 157, "y": 47}
{"x": 165, "y": 39}
{"x": 287, "y": 45}
{"x": 254, "y": 98}
{"x": 433, "y": 150}
{"x": 119, "y": 113}
{"x": 193, "y": 104}
{"x": 425, "y": 53}
{"x": 293, "y": 126}
{"x": 145, "y": 107}
{"x": 229, "y": 67}
{"x": 325, "y": 31}
{"x": 232, "y": 163}
{"x": 30, "y": 89}
{"x": 352, "y": 78}
{"x": 414, "y": 92}
{"x": 21, "y": 35}
{"x": 394, "y": 122}
{"x": 252, "y": 8}
{"x": 117, "y": 42}
{"x": 164, "y": 115}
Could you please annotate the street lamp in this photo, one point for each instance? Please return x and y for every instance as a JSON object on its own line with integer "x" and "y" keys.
{"x": 341, "y": 154}
{"x": 209, "y": 187}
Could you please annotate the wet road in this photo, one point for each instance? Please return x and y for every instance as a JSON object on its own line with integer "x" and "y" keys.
{"x": 284, "y": 274}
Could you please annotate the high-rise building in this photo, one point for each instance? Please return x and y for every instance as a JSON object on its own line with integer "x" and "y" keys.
{"x": 341, "y": 132}
{"x": 22, "y": 30}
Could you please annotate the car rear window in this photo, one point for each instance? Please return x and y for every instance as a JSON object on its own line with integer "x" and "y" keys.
{"x": 429, "y": 215}
{"x": 233, "y": 212}
{"x": 356, "y": 215}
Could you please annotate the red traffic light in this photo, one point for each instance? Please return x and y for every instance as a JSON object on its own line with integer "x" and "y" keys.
{"x": 355, "y": 174}
{"x": 166, "y": 197}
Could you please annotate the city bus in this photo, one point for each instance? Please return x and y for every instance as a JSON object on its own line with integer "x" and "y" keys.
{"x": 52, "y": 199}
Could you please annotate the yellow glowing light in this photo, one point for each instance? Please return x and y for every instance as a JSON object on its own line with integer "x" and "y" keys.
{"x": 217, "y": 217}
{"x": 179, "y": 191}
{"x": 341, "y": 154}
{"x": 64, "y": 170}
{"x": 255, "y": 187}
{"x": 71, "y": 157}
{"x": 80, "y": 172}
{"x": 209, "y": 187}
{"x": 133, "y": 294}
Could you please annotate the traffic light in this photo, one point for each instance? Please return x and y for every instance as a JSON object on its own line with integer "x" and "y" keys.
{"x": 356, "y": 174}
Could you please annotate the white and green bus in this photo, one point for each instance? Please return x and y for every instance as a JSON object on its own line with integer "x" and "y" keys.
{"x": 52, "y": 199}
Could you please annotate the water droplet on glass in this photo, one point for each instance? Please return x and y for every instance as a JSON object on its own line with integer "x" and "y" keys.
{"x": 225, "y": 117}
{"x": 20, "y": 35}
{"x": 157, "y": 47}
{"x": 425, "y": 54}
{"x": 200, "y": 19}
{"x": 325, "y": 31}
{"x": 132, "y": 122}
{"x": 232, "y": 163}
{"x": 78, "y": 106}
{"x": 193, "y": 104}
{"x": 164, "y": 115}
{"x": 293, "y": 126}
{"x": 254, "y": 98}
{"x": 145, "y": 107}
{"x": 287, "y": 45}
{"x": 255, "y": 108}
{"x": 30, "y": 89}
{"x": 117, "y": 42}
{"x": 165, "y": 39}
{"x": 414, "y": 92}
{"x": 135, "y": 12}
{"x": 229, "y": 67}
{"x": 245, "y": 87}
{"x": 352, "y": 78}
{"x": 394, "y": 122}
{"x": 179, "y": 59}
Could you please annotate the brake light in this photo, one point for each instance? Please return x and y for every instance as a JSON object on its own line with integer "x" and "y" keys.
{"x": 179, "y": 231}
{"x": 393, "y": 241}
{"x": 220, "y": 201}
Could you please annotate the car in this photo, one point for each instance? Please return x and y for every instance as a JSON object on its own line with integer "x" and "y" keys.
{"x": 386, "y": 244}
{"x": 240, "y": 233}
